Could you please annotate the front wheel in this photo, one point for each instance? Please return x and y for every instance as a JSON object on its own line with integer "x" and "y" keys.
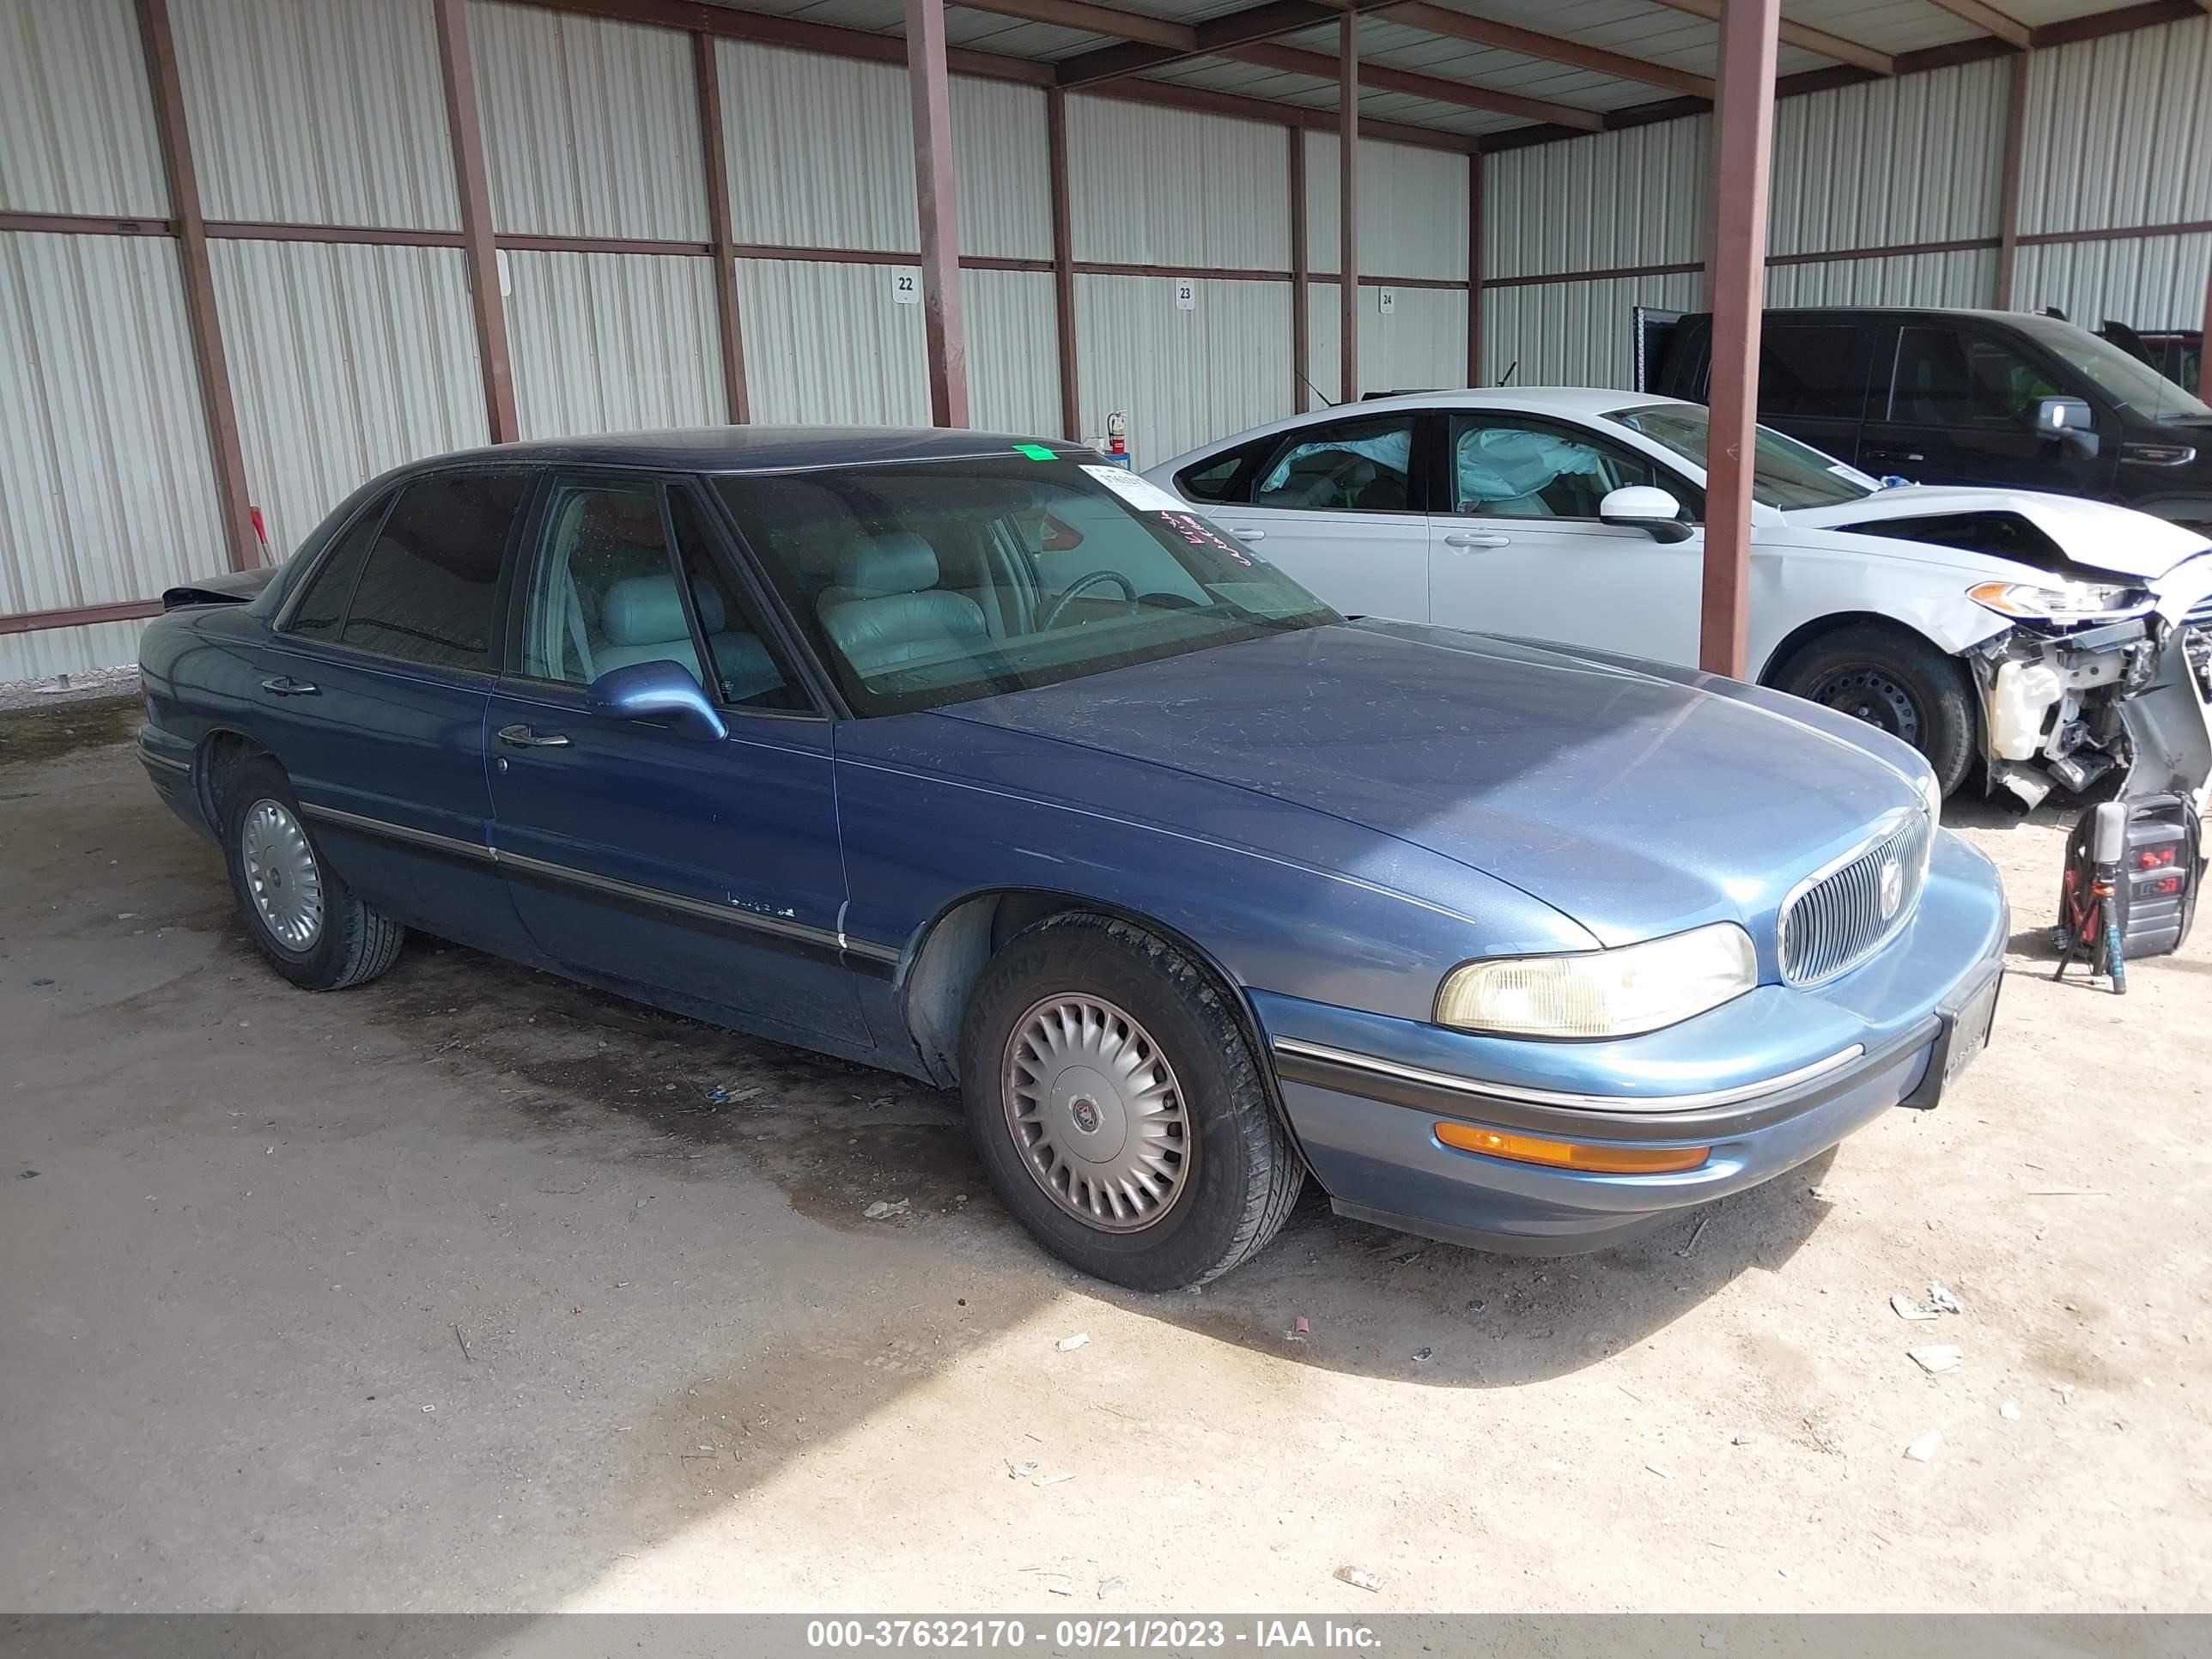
{"x": 1118, "y": 1108}
{"x": 308, "y": 925}
{"x": 1895, "y": 680}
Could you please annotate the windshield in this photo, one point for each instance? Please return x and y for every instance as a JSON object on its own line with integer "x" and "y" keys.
{"x": 2134, "y": 385}
{"x": 1785, "y": 473}
{"x": 927, "y": 583}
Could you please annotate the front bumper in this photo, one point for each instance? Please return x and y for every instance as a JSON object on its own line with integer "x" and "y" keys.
{"x": 1787, "y": 1074}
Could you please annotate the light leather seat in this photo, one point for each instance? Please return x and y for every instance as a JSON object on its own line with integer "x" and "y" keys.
{"x": 887, "y": 609}
{"x": 641, "y": 619}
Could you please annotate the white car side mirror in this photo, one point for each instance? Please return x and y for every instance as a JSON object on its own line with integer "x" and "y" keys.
{"x": 1640, "y": 507}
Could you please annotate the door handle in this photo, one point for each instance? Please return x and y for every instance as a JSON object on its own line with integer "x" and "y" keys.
{"x": 1247, "y": 535}
{"x": 1463, "y": 539}
{"x": 284, "y": 685}
{"x": 521, "y": 736}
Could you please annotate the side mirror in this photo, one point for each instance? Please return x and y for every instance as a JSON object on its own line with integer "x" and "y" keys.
{"x": 657, "y": 691}
{"x": 1640, "y": 507}
{"x": 2068, "y": 420}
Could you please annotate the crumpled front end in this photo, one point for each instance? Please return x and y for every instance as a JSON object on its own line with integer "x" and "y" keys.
{"x": 2067, "y": 704}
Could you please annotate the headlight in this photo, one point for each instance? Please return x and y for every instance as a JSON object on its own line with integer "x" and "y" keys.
{"x": 1602, "y": 993}
{"x": 2061, "y": 601}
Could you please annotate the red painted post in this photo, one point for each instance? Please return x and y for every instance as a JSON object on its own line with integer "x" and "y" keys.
{"x": 1475, "y": 164}
{"x": 1301, "y": 275}
{"x": 1347, "y": 207}
{"x": 1743, "y": 136}
{"x": 937, "y": 194}
{"x": 471, "y": 181}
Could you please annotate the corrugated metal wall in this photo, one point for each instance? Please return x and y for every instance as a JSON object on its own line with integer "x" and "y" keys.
{"x": 1852, "y": 165}
{"x": 327, "y": 114}
{"x": 1412, "y": 209}
{"x": 1013, "y": 351}
{"x": 1419, "y": 344}
{"x": 344, "y": 360}
{"x": 106, "y": 493}
{"x": 612, "y": 342}
{"x": 76, "y": 124}
{"x": 1604, "y": 202}
{"x": 1182, "y": 377}
{"x": 591, "y": 128}
{"x": 1967, "y": 277}
{"x": 2119, "y": 131}
{"x": 1573, "y": 334}
{"x": 1168, "y": 187}
{"x": 2146, "y": 282}
{"x": 826, "y": 343}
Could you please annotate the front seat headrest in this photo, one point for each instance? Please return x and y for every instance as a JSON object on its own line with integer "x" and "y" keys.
{"x": 898, "y": 561}
{"x": 648, "y": 611}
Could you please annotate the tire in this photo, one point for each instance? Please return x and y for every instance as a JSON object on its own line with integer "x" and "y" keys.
{"x": 1223, "y": 1177}
{"x": 1898, "y": 681}
{"x": 324, "y": 940}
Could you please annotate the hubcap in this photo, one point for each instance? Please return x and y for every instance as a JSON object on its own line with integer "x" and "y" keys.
{"x": 1096, "y": 1114}
{"x": 281, "y": 877}
{"x": 1867, "y": 694}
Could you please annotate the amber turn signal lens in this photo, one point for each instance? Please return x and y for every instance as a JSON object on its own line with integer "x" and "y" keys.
{"x": 1567, "y": 1155}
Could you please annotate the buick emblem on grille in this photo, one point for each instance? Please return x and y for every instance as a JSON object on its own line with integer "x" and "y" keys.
{"x": 1893, "y": 888}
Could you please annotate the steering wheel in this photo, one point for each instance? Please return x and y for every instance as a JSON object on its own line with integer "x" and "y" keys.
{"x": 1052, "y": 612}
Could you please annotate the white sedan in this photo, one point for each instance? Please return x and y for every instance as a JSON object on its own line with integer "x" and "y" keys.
{"x": 2053, "y": 638}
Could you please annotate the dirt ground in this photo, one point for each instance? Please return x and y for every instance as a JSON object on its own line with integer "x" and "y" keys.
{"x": 460, "y": 1291}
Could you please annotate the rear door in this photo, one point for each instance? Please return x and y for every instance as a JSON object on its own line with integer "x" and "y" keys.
{"x": 1959, "y": 409}
{"x": 1338, "y": 505}
{"x": 708, "y": 869}
{"x": 1813, "y": 379}
{"x": 1522, "y": 550}
{"x": 372, "y": 689}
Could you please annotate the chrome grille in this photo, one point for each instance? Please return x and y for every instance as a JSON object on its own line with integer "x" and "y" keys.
{"x": 1837, "y": 918}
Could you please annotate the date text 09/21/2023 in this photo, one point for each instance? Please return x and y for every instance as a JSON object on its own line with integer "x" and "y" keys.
{"x": 1064, "y": 1635}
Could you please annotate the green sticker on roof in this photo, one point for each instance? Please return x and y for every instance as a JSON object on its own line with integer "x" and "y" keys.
{"x": 1035, "y": 452}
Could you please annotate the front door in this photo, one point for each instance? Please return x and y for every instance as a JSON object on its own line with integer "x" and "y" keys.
{"x": 1960, "y": 410}
{"x": 372, "y": 688}
{"x": 707, "y": 870}
{"x": 1523, "y": 550}
{"x": 1337, "y": 509}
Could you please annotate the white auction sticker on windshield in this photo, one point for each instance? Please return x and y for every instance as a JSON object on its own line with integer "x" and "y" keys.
{"x": 1140, "y": 493}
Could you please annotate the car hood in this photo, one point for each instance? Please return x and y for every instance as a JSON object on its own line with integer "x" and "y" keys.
{"x": 2095, "y": 534}
{"x": 1634, "y": 804}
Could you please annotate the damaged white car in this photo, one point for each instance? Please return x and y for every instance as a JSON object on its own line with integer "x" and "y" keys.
{"x": 2052, "y": 639}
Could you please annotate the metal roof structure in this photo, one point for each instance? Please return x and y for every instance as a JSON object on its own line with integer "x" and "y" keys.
{"x": 1510, "y": 73}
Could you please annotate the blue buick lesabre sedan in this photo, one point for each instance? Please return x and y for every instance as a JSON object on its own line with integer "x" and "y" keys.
{"x": 980, "y": 760}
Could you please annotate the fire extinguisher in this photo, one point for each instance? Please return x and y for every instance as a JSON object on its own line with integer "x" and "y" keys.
{"x": 1118, "y": 438}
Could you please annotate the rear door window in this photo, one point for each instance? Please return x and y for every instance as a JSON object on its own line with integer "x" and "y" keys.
{"x": 429, "y": 588}
{"x": 1360, "y": 465}
{"x": 319, "y": 612}
{"x": 1816, "y": 371}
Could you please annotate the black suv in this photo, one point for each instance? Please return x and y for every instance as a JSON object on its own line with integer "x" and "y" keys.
{"x": 1962, "y": 398}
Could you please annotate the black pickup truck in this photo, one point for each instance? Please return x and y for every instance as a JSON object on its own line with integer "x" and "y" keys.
{"x": 1945, "y": 397}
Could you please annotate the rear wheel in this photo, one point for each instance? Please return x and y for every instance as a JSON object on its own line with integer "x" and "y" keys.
{"x": 310, "y": 926}
{"x": 1118, "y": 1108}
{"x": 1895, "y": 680}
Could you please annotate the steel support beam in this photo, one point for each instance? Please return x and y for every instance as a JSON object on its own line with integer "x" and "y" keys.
{"x": 729, "y": 323}
{"x": 1529, "y": 43}
{"x": 1474, "y": 261}
{"x": 1301, "y": 277}
{"x": 457, "y": 70}
{"x": 2205, "y": 344}
{"x": 1211, "y": 39}
{"x": 2015, "y": 137}
{"x": 1063, "y": 265}
{"x": 1989, "y": 20}
{"x": 242, "y": 542}
{"x": 1798, "y": 35}
{"x": 1297, "y": 60}
{"x": 1347, "y": 207}
{"x": 937, "y": 195}
{"x": 1743, "y": 138}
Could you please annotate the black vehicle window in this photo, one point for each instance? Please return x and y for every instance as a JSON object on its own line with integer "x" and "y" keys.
{"x": 1216, "y": 480}
{"x": 603, "y": 595}
{"x": 1505, "y": 466}
{"x": 1362, "y": 465}
{"x": 321, "y": 611}
{"x": 1947, "y": 376}
{"x": 1819, "y": 371}
{"x": 429, "y": 590}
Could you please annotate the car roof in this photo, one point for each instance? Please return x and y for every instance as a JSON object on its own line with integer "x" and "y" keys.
{"x": 1559, "y": 399}
{"x": 754, "y": 449}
